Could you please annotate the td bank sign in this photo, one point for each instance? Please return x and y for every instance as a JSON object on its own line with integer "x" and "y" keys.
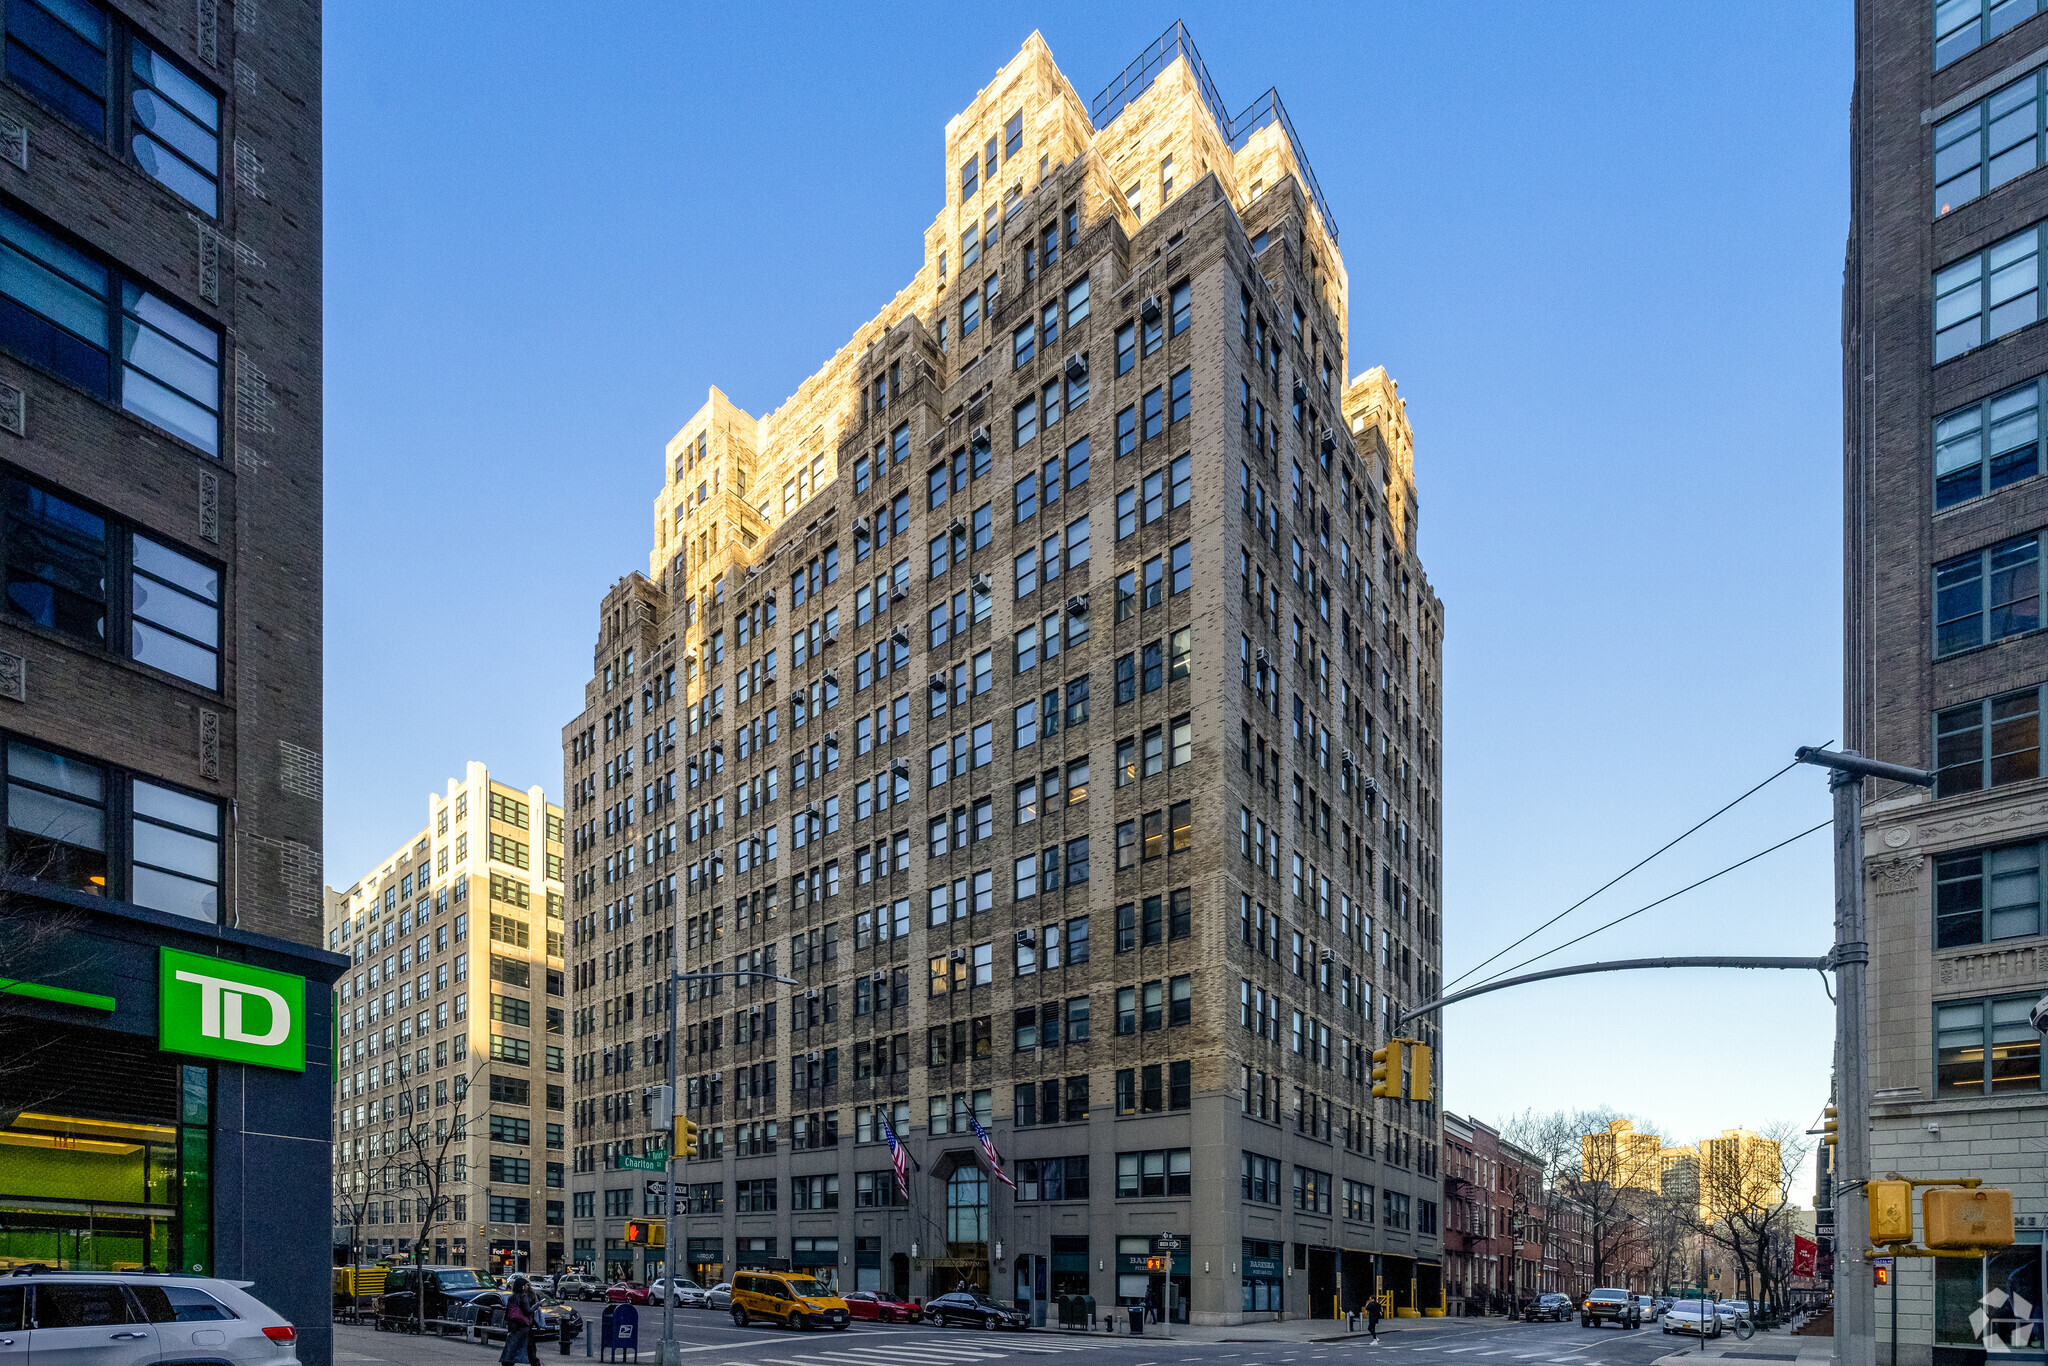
{"x": 213, "y": 1008}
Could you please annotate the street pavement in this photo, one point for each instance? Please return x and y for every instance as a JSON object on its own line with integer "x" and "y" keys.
{"x": 710, "y": 1340}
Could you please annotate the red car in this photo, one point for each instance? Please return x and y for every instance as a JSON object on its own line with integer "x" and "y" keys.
{"x": 877, "y": 1308}
{"x": 626, "y": 1292}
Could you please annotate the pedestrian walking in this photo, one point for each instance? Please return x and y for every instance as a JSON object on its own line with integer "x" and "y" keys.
{"x": 522, "y": 1315}
{"x": 1372, "y": 1317}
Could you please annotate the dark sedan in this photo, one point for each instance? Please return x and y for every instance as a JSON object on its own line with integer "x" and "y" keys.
{"x": 1556, "y": 1308}
{"x": 974, "y": 1309}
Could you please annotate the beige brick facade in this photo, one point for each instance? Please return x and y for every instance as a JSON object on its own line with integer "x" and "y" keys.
{"x": 1130, "y": 534}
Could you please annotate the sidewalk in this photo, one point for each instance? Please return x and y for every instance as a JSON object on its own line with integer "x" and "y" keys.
{"x": 1287, "y": 1330}
{"x": 1778, "y": 1344}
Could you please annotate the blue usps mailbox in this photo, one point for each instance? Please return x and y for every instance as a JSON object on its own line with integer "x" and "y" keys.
{"x": 621, "y": 1332}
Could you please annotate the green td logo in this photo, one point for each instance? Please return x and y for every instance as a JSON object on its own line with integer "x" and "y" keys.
{"x": 213, "y": 1008}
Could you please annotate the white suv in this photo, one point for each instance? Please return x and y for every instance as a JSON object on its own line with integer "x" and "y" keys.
{"x": 132, "y": 1319}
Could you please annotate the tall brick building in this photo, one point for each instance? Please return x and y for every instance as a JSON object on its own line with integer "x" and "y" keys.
{"x": 165, "y": 1061}
{"x": 1945, "y": 365}
{"x": 1133, "y": 874}
{"x": 456, "y": 940}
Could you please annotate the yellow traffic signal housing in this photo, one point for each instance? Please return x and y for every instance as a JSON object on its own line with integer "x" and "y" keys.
{"x": 1891, "y": 1211}
{"x": 636, "y": 1232}
{"x": 647, "y": 1232}
{"x": 1829, "y": 1132}
{"x": 686, "y": 1137}
{"x": 1418, "y": 1071}
{"x": 1968, "y": 1218}
{"x": 1386, "y": 1070}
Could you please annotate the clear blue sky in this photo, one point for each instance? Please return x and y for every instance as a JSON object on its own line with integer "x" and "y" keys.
{"x": 1598, "y": 245}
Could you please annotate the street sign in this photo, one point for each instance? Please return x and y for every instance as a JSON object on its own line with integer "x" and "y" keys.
{"x": 653, "y": 1162}
{"x": 657, "y": 1188}
{"x": 1166, "y": 1242}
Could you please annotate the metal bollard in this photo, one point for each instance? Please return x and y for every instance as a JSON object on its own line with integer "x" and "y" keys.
{"x": 568, "y": 1335}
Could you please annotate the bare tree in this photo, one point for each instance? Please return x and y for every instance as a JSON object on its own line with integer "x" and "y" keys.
{"x": 428, "y": 1162}
{"x": 1744, "y": 1202}
{"x": 1598, "y": 1178}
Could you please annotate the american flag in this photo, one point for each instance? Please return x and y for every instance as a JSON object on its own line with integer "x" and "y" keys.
{"x": 988, "y": 1146}
{"x": 899, "y": 1157}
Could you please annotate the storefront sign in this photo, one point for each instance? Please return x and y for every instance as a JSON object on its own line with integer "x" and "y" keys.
{"x": 1267, "y": 1267}
{"x": 213, "y": 1008}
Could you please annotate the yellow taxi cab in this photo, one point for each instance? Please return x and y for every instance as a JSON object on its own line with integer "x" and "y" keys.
{"x": 788, "y": 1298}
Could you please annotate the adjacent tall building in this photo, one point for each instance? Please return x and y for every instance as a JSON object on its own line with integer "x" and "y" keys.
{"x": 1944, "y": 363}
{"x": 164, "y": 1010}
{"x": 1131, "y": 883}
{"x": 450, "y": 1096}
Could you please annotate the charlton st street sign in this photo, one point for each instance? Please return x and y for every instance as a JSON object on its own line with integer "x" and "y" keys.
{"x": 213, "y": 1008}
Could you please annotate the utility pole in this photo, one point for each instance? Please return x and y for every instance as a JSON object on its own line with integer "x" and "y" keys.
{"x": 1855, "y": 1296}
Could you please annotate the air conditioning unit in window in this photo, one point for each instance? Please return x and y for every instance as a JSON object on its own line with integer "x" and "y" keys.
{"x": 879, "y": 976}
{"x": 1263, "y": 657}
{"x": 831, "y": 638}
{"x": 957, "y": 524}
{"x": 1300, "y": 389}
{"x": 1348, "y": 760}
{"x": 1026, "y": 938}
{"x": 753, "y": 570}
{"x": 832, "y": 677}
{"x": 768, "y": 674}
{"x": 832, "y": 739}
{"x": 938, "y": 682}
{"x": 901, "y": 635}
{"x": 980, "y": 439}
{"x": 1372, "y": 787}
{"x": 718, "y": 713}
{"x": 718, "y": 745}
{"x": 769, "y": 597}
{"x": 860, "y": 530}
{"x": 984, "y": 585}
{"x": 898, "y": 594}
{"x": 1149, "y": 310}
{"x": 958, "y": 955}
{"x": 1329, "y": 442}
{"x": 1329, "y": 956}
{"x": 810, "y": 808}
{"x": 1077, "y": 605}
{"x": 900, "y": 768}
{"x": 1077, "y": 366}
{"x": 812, "y": 1056}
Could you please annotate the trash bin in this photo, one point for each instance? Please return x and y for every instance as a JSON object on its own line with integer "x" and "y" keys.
{"x": 1086, "y": 1317}
{"x": 1138, "y": 1319}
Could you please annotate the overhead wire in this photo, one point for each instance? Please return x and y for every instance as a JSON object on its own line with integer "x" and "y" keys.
{"x": 1505, "y": 972}
{"x": 1447, "y": 986}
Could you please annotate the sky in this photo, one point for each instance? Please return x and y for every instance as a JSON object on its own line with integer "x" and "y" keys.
{"x": 1598, "y": 246}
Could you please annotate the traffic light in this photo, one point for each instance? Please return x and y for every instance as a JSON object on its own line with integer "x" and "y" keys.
{"x": 1829, "y": 1132}
{"x": 686, "y": 1136}
{"x": 647, "y": 1232}
{"x": 1880, "y": 1274}
{"x": 1891, "y": 1211}
{"x": 1960, "y": 1219}
{"x": 1418, "y": 1071}
{"x": 1386, "y": 1069}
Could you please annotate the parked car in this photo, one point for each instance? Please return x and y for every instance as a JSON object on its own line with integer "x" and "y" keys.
{"x": 719, "y": 1296}
{"x": 626, "y": 1292}
{"x": 974, "y": 1308}
{"x": 657, "y": 1292}
{"x": 575, "y": 1285}
{"x": 1556, "y": 1308}
{"x": 786, "y": 1297}
{"x": 440, "y": 1288}
{"x": 873, "y": 1307}
{"x": 1610, "y": 1306}
{"x": 690, "y": 1295}
{"x": 132, "y": 1319}
{"x": 550, "y": 1313}
{"x": 1728, "y": 1310}
{"x": 1692, "y": 1316}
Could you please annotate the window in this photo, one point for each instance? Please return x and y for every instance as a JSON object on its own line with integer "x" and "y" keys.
{"x": 1077, "y": 302}
{"x": 1182, "y": 473}
{"x": 1987, "y": 895}
{"x": 1311, "y": 1191}
{"x": 1258, "y": 1178}
{"x": 60, "y": 309}
{"x": 1013, "y": 136}
{"x": 1982, "y": 448}
{"x": 58, "y": 50}
{"x": 1988, "y": 743}
{"x": 1181, "y": 396}
{"x": 1961, "y": 28}
{"x": 1183, "y": 305}
{"x": 1024, "y": 422}
{"x": 1995, "y": 140}
{"x": 970, "y": 180}
{"x": 1987, "y": 595}
{"x": 1126, "y": 348}
{"x": 1126, "y": 431}
{"x": 1987, "y": 294}
{"x": 59, "y": 559}
{"x": 1986, "y": 1047}
{"x": 970, "y": 314}
{"x": 1160, "y": 1172}
{"x": 1154, "y": 408}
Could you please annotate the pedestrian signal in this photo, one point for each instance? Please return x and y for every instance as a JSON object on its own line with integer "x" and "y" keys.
{"x": 1386, "y": 1070}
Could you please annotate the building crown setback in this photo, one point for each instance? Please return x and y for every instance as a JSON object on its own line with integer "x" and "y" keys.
{"x": 731, "y": 479}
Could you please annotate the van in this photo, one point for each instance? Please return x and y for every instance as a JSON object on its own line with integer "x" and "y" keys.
{"x": 788, "y": 1298}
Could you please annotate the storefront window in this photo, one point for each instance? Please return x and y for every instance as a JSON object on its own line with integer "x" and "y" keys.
{"x": 1261, "y": 1273}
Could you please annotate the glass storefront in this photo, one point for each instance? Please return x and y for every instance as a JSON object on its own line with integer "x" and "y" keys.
{"x": 129, "y": 1187}
{"x": 706, "y": 1263}
{"x": 1262, "y": 1274}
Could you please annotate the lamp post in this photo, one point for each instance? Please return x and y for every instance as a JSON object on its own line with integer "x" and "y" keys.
{"x": 670, "y": 1353}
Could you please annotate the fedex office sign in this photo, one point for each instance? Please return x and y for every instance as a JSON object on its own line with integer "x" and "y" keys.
{"x": 214, "y": 1008}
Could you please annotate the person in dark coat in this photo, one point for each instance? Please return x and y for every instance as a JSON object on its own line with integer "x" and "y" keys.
{"x": 522, "y": 1318}
{"x": 1372, "y": 1317}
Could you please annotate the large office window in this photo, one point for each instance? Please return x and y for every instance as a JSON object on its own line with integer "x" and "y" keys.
{"x": 1987, "y": 294}
{"x": 1986, "y": 1047}
{"x": 1988, "y": 743}
{"x": 1995, "y": 140}
{"x": 1982, "y": 448}
{"x": 64, "y": 566}
{"x": 1987, "y": 595}
{"x": 62, "y": 310}
{"x": 68, "y": 53}
{"x": 1987, "y": 895}
{"x": 96, "y": 829}
{"x": 1962, "y": 26}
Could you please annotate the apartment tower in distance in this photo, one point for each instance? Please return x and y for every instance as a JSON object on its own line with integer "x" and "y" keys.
{"x": 164, "y": 1011}
{"x": 450, "y": 1092}
{"x": 1132, "y": 880}
{"x": 1945, "y": 373}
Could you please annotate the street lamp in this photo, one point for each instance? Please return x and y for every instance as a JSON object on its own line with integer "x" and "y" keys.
{"x": 671, "y": 1351}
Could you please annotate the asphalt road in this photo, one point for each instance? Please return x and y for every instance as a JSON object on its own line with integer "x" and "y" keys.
{"x": 711, "y": 1340}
